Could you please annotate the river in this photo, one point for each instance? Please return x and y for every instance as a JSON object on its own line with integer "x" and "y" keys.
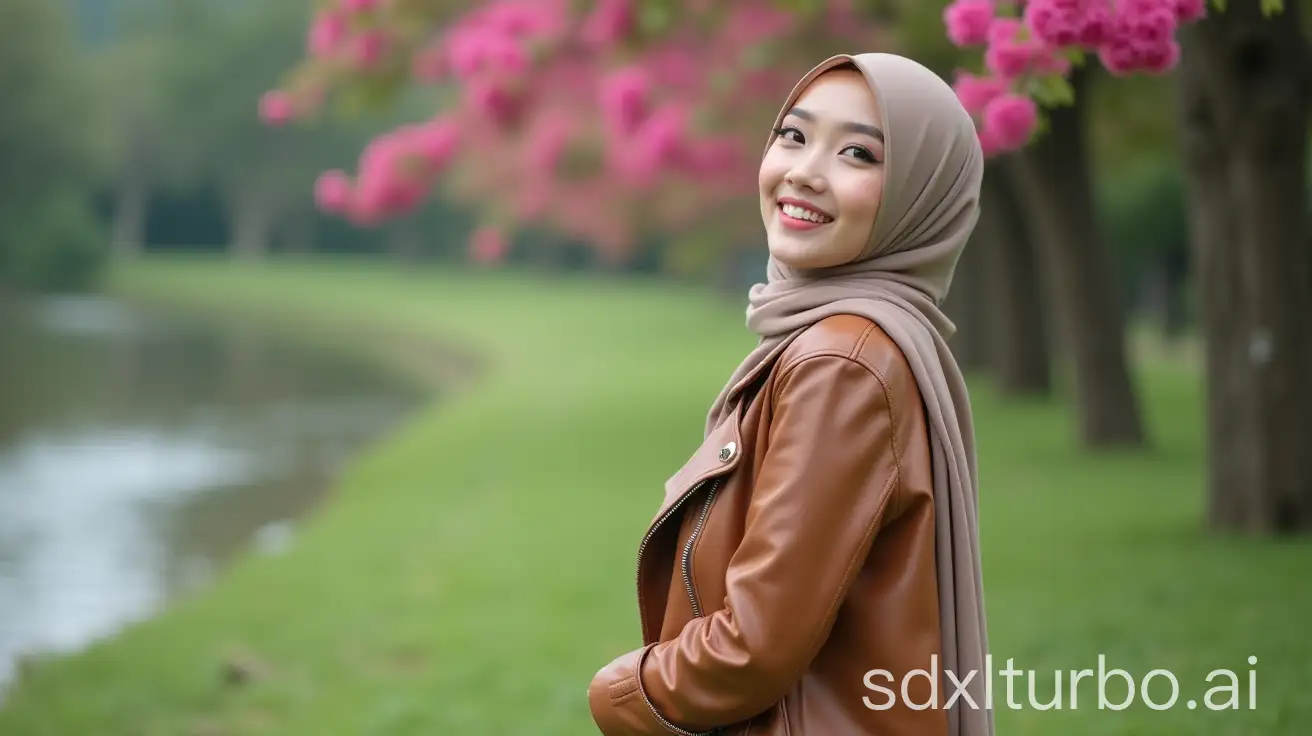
{"x": 140, "y": 450}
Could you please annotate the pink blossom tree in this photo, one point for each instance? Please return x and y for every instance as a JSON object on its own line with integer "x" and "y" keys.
{"x": 1030, "y": 48}
{"x": 604, "y": 121}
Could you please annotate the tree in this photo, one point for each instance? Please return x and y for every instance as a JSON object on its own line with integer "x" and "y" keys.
{"x": 1054, "y": 173}
{"x": 1243, "y": 107}
{"x": 265, "y": 178}
{"x": 1020, "y": 356}
{"x": 611, "y": 121}
{"x": 134, "y": 118}
{"x": 47, "y": 237}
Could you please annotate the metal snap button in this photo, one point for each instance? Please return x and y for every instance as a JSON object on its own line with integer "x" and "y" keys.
{"x": 726, "y": 452}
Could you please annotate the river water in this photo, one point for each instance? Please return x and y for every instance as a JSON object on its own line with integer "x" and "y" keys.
{"x": 139, "y": 451}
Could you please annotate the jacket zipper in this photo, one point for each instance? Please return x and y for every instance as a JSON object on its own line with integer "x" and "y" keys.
{"x": 687, "y": 549}
{"x": 687, "y": 577}
{"x": 651, "y": 532}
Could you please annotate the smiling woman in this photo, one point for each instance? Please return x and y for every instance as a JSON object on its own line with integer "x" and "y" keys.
{"x": 827, "y": 521}
{"x": 823, "y": 176}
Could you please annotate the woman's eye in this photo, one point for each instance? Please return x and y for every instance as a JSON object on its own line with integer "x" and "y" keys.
{"x": 790, "y": 134}
{"x": 862, "y": 153}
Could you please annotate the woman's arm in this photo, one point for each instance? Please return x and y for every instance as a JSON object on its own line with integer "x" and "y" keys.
{"x": 825, "y": 485}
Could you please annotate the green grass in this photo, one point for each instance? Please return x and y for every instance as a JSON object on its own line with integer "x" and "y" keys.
{"x": 474, "y": 569}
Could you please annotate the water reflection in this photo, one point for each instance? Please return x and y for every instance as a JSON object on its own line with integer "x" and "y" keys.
{"x": 139, "y": 451}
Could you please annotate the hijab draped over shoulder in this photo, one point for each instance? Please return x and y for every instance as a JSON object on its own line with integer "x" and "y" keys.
{"x": 933, "y": 170}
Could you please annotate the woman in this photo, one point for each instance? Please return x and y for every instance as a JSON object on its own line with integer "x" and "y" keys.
{"x": 814, "y": 568}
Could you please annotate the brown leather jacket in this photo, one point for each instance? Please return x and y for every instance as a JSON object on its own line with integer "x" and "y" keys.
{"x": 787, "y": 584}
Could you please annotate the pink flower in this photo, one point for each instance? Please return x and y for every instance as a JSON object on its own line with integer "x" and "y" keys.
{"x": 675, "y": 67}
{"x": 752, "y": 23}
{"x": 624, "y": 98}
{"x": 1125, "y": 56}
{"x": 277, "y": 108}
{"x": 977, "y": 92}
{"x": 1142, "y": 39}
{"x": 477, "y": 49}
{"x": 465, "y": 50}
{"x": 1068, "y": 22}
{"x": 1160, "y": 58}
{"x": 332, "y": 191}
{"x": 1010, "y": 119}
{"x": 1146, "y": 21}
{"x": 492, "y": 101}
{"x": 713, "y": 156}
{"x": 387, "y": 183}
{"x": 968, "y": 21}
{"x": 504, "y": 53}
{"x": 656, "y": 145}
{"x": 520, "y": 19}
{"x": 609, "y": 22}
{"x": 434, "y": 142}
{"x": 326, "y": 34}
{"x": 547, "y": 143}
{"x": 664, "y": 131}
{"x": 1120, "y": 56}
{"x": 1008, "y": 54}
{"x": 1052, "y": 62}
{"x": 1188, "y": 11}
{"x": 1097, "y": 24}
{"x": 368, "y": 49}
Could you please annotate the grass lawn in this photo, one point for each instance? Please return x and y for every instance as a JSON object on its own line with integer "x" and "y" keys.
{"x": 474, "y": 569}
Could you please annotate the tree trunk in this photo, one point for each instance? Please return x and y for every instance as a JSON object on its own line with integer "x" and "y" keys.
{"x": 1018, "y": 333}
{"x": 1244, "y": 102}
{"x": 131, "y": 207}
{"x": 252, "y": 223}
{"x": 967, "y": 304}
{"x": 298, "y": 234}
{"x": 1054, "y": 175}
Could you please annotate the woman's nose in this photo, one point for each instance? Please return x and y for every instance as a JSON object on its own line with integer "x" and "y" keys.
{"x": 806, "y": 175}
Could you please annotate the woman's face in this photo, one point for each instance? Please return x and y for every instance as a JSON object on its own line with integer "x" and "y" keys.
{"x": 823, "y": 177}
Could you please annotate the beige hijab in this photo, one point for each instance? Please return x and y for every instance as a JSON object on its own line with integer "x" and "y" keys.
{"x": 933, "y": 170}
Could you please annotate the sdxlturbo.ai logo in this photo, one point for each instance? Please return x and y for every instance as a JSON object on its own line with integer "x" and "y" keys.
{"x": 1159, "y": 689}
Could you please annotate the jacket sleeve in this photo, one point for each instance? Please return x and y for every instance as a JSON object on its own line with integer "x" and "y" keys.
{"x": 824, "y": 485}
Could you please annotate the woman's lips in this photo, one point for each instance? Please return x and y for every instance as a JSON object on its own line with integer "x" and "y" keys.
{"x": 805, "y": 210}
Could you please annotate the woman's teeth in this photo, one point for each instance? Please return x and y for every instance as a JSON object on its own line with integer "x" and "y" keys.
{"x": 801, "y": 213}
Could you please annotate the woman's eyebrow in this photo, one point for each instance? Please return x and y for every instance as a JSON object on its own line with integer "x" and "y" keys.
{"x": 862, "y": 128}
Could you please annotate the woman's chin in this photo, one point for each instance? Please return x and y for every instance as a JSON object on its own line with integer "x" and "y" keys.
{"x": 801, "y": 256}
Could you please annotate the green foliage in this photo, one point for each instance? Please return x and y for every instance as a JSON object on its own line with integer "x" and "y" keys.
{"x": 49, "y": 239}
{"x": 214, "y": 61}
{"x": 1269, "y": 7}
{"x": 1052, "y": 91}
{"x": 1143, "y": 207}
{"x": 57, "y": 246}
{"x": 46, "y": 125}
